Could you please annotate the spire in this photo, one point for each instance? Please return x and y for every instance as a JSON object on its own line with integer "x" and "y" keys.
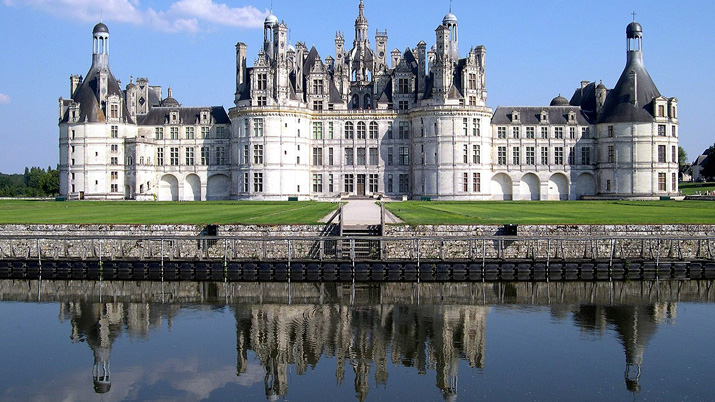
{"x": 361, "y": 24}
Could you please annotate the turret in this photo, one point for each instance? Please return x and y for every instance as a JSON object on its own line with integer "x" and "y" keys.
{"x": 100, "y": 47}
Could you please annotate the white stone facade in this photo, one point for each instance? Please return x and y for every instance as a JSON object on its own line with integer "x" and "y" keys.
{"x": 411, "y": 124}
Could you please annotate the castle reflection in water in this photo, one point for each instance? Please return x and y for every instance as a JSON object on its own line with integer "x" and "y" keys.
{"x": 364, "y": 330}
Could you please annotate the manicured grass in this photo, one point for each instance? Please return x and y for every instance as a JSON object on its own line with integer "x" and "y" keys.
{"x": 689, "y": 188}
{"x": 132, "y": 212}
{"x": 557, "y": 212}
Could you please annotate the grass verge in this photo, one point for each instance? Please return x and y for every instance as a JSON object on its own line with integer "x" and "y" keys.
{"x": 133, "y": 212}
{"x": 557, "y": 212}
{"x": 689, "y": 188}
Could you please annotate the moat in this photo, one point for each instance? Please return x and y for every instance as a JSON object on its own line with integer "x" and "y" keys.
{"x": 122, "y": 340}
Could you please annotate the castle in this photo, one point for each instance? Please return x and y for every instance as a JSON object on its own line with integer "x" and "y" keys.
{"x": 408, "y": 124}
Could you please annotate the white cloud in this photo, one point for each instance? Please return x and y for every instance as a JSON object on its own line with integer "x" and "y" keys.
{"x": 181, "y": 16}
{"x": 4, "y": 99}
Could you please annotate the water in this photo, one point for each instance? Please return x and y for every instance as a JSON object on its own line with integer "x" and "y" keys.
{"x": 117, "y": 341}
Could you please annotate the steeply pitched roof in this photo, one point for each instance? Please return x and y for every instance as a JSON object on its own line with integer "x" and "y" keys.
{"x": 86, "y": 95}
{"x": 158, "y": 116}
{"x": 620, "y": 106}
{"x": 530, "y": 115}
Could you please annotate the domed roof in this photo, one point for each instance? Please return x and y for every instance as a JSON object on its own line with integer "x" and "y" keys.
{"x": 99, "y": 28}
{"x": 634, "y": 29}
{"x": 271, "y": 20}
{"x": 601, "y": 86}
{"x": 559, "y": 101}
{"x": 449, "y": 19}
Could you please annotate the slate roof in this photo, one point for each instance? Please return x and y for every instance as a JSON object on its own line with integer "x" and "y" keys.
{"x": 530, "y": 115}
{"x": 619, "y": 107}
{"x": 90, "y": 109}
{"x": 158, "y": 116}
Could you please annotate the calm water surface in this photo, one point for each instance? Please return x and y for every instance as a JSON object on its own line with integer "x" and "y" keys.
{"x": 125, "y": 341}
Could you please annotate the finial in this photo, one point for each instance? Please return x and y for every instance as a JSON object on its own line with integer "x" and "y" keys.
{"x": 450, "y": 6}
{"x": 634, "y": 16}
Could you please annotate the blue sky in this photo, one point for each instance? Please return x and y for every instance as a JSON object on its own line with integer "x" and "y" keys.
{"x": 535, "y": 51}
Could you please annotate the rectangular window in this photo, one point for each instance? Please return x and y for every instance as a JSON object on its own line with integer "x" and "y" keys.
{"x": 317, "y": 183}
{"x": 674, "y": 182}
{"x": 472, "y": 81}
{"x": 476, "y": 183}
{"x": 572, "y": 133}
{"x": 389, "y": 156}
{"x": 205, "y": 131}
{"x": 465, "y": 156}
{"x": 558, "y": 155}
{"x": 530, "y": 156}
{"x": 674, "y": 154}
{"x": 404, "y": 130}
{"x": 559, "y": 133}
{"x": 258, "y": 154}
{"x": 257, "y": 182}
{"x": 189, "y": 133}
{"x": 349, "y": 157}
{"x": 661, "y": 153}
{"x": 515, "y": 132}
{"x": 374, "y": 156}
{"x": 361, "y": 161}
{"x": 160, "y": 156}
{"x": 572, "y": 156}
{"x": 114, "y": 175}
{"x": 373, "y": 130}
{"x": 610, "y": 131}
{"x": 349, "y": 131}
{"x": 389, "y": 132}
{"x": 114, "y": 111}
{"x": 403, "y": 86}
{"x": 608, "y": 185}
{"x": 174, "y": 133}
{"x": 611, "y": 154}
{"x": 403, "y": 105}
{"x": 220, "y": 132}
{"x": 204, "y": 156}
{"x": 349, "y": 181}
{"x": 115, "y": 188}
{"x": 318, "y": 105}
{"x": 220, "y": 156}
{"x": 585, "y": 155}
{"x": 317, "y": 156}
{"x": 258, "y": 127}
{"x": 585, "y": 132}
{"x": 361, "y": 130}
{"x": 501, "y": 132}
{"x": 246, "y": 183}
{"x": 159, "y": 133}
{"x": 475, "y": 128}
{"x": 516, "y": 157}
{"x": 372, "y": 183}
{"x": 544, "y": 155}
{"x": 465, "y": 182}
{"x": 661, "y": 110}
{"x": 330, "y": 130}
{"x": 465, "y": 126}
{"x": 261, "y": 81}
{"x": 501, "y": 156}
{"x": 404, "y": 156}
{"x": 661, "y": 182}
{"x": 476, "y": 154}
{"x": 544, "y": 132}
{"x": 404, "y": 183}
{"x": 318, "y": 87}
{"x": 330, "y": 156}
{"x": 675, "y": 132}
{"x": 115, "y": 132}
{"x": 189, "y": 156}
{"x": 389, "y": 184}
{"x": 530, "y": 132}
{"x": 174, "y": 156}
{"x": 661, "y": 130}
{"x": 330, "y": 183}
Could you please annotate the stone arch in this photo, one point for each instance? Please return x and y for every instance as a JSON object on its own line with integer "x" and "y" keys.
{"x": 218, "y": 187}
{"x": 530, "y": 187}
{"x": 192, "y": 188}
{"x": 168, "y": 188}
{"x": 585, "y": 185}
{"x": 502, "y": 187}
{"x": 558, "y": 187}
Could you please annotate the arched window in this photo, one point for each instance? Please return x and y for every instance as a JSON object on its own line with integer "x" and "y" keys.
{"x": 349, "y": 131}
{"x": 368, "y": 102}
{"x": 355, "y": 102}
{"x": 373, "y": 130}
{"x": 361, "y": 130}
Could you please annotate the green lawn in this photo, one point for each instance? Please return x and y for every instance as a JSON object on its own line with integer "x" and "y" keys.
{"x": 133, "y": 212}
{"x": 556, "y": 212}
{"x": 689, "y": 188}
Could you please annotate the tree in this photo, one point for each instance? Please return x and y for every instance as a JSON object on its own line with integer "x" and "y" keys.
{"x": 50, "y": 182}
{"x": 684, "y": 166}
{"x": 708, "y": 165}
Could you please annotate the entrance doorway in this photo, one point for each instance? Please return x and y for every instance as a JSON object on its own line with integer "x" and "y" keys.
{"x": 361, "y": 184}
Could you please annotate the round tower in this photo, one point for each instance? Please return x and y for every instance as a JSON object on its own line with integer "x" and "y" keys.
{"x": 100, "y": 48}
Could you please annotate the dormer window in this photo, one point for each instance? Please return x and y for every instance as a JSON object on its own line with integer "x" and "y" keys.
{"x": 572, "y": 117}
{"x": 174, "y": 117}
{"x": 514, "y": 116}
{"x": 204, "y": 117}
{"x": 544, "y": 117}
